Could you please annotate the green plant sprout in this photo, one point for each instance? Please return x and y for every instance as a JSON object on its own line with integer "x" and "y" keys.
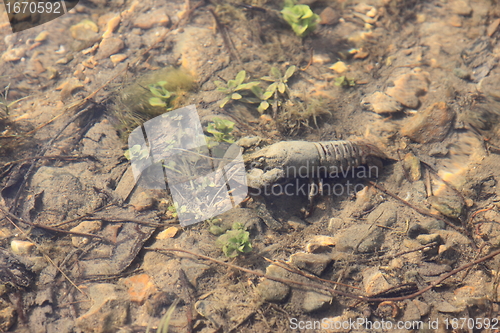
{"x": 300, "y": 17}
{"x": 3, "y": 100}
{"x": 232, "y": 87}
{"x": 235, "y": 241}
{"x": 136, "y": 152}
{"x": 279, "y": 86}
{"x": 162, "y": 97}
{"x": 175, "y": 209}
{"x": 344, "y": 82}
{"x": 221, "y": 130}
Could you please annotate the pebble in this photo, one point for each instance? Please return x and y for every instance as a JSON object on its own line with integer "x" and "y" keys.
{"x": 429, "y": 238}
{"x": 109, "y": 46}
{"x": 142, "y": 201}
{"x": 149, "y": 20}
{"x": 448, "y": 205}
{"x": 339, "y": 67}
{"x": 21, "y": 247}
{"x": 14, "y": 54}
{"x": 492, "y": 28}
{"x": 430, "y": 125}
{"x": 88, "y": 227}
{"x": 168, "y": 233}
{"x": 379, "y": 102}
{"x": 408, "y": 87}
{"x": 139, "y": 287}
{"x": 329, "y": 16}
{"x": 7, "y": 316}
{"x": 86, "y": 31}
{"x": 460, "y": 7}
{"x": 314, "y": 263}
{"x": 411, "y": 164}
{"x": 374, "y": 281}
{"x": 314, "y": 301}
{"x": 272, "y": 291}
{"x": 455, "y": 21}
{"x": 117, "y": 58}
{"x": 320, "y": 244}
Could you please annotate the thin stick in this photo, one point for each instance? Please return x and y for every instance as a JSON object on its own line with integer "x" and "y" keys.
{"x": 46, "y": 256}
{"x": 333, "y": 291}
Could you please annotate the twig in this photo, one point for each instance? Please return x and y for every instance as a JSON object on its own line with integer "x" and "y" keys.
{"x": 41, "y": 226}
{"x": 418, "y": 209}
{"x": 225, "y": 37}
{"x": 46, "y": 256}
{"x": 328, "y": 289}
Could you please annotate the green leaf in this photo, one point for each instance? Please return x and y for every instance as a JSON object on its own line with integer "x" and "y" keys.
{"x": 268, "y": 94}
{"x": 156, "y": 101}
{"x": 257, "y": 91}
{"x": 290, "y": 71}
{"x": 268, "y": 78}
{"x": 276, "y": 72}
{"x": 236, "y": 96}
{"x": 224, "y": 101}
{"x": 281, "y": 87}
{"x": 272, "y": 88}
{"x": 240, "y": 77}
{"x": 231, "y": 84}
{"x": 247, "y": 86}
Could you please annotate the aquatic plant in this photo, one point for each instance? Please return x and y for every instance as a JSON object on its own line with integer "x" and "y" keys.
{"x": 300, "y": 17}
{"x": 235, "y": 241}
{"x": 344, "y": 82}
{"x": 221, "y": 130}
{"x": 162, "y": 96}
{"x": 233, "y": 88}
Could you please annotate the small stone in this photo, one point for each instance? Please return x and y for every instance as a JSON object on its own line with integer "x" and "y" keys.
{"x": 117, "y": 58}
{"x": 87, "y": 227}
{"x": 320, "y": 243}
{"x": 411, "y": 164}
{"x": 7, "y": 316}
{"x": 461, "y": 73}
{"x": 143, "y": 201}
{"x": 14, "y": 54}
{"x": 139, "y": 287}
{"x": 111, "y": 26}
{"x": 423, "y": 308}
{"x": 329, "y": 16}
{"x": 374, "y": 281}
{"x": 86, "y": 31}
{"x": 446, "y": 307}
{"x": 408, "y": 87}
{"x": 21, "y": 247}
{"x": 448, "y": 205}
{"x": 109, "y": 46}
{"x": 68, "y": 87}
{"x": 429, "y": 238}
{"x": 169, "y": 233}
{"x": 321, "y": 59}
{"x": 455, "y": 21}
{"x": 314, "y": 263}
{"x": 460, "y": 7}
{"x": 492, "y": 28}
{"x": 149, "y": 20}
{"x": 339, "y": 67}
{"x": 430, "y": 125}
{"x": 41, "y": 36}
{"x": 379, "y": 102}
{"x": 272, "y": 291}
{"x": 314, "y": 301}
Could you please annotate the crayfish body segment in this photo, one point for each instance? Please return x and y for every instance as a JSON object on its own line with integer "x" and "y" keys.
{"x": 292, "y": 159}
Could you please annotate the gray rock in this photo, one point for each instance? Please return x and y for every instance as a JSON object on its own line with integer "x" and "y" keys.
{"x": 272, "y": 291}
{"x": 429, "y": 238}
{"x": 314, "y": 263}
{"x": 314, "y": 301}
